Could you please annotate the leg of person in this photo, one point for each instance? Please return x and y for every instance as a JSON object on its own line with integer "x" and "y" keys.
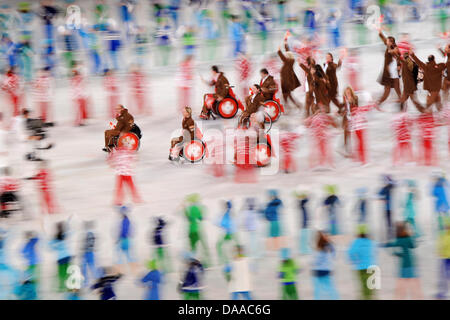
{"x": 388, "y": 223}
{"x": 428, "y": 151}
{"x": 43, "y": 110}
{"x": 297, "y": 104}
{"x": 134, "y": 193}
{"x": 361, "y": 148}
{"x": 416, "y": 102}
{"x": 330, "y": 289}
{"x": 84, "y": 269}
{"x": 396, "y": 85}
{"x": 119, "y": 190}
{"x": 445, "y": 89}
{"x": 387, "y": 91}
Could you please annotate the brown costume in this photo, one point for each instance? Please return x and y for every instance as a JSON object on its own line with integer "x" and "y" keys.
{"x": 309, "y": 96}
{"x": 432, "y": 80}
{"x": 333, "y": 89}
{"x": 221, "y": 88}
{"x": 321, "y": 89}
{"x": 188, "y": 126}
{"x": 252, "y": 104}
{"x": 386, "y": 80}
{"x": 125, "y": 122}
{"x": 446, "y": 81}
{"x": 268, "y": 88}
{"x": 289, "y": 80}
{"x": 409, "y": 83}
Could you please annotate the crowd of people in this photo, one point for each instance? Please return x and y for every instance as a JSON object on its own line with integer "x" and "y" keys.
{"x": 67, "y": 47}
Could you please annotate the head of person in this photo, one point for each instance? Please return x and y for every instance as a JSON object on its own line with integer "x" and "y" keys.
{"x": 187, "y": 112}
{"x": 350, "y": 95}
{"x": 431, "y": 58}
{"x": 319, "y": 71}
{"x": 60, "y": 231}
{"x": 119, "y": 108}
{"x": 25, "y": 113}
{"x": 402, "y": 230}
{"x": 362, "y": 231}
{"x": 215, "y": 70}
{"x": 390, "y": 41}
{"x": 323, "y": 242}
{"x": 228, "y": 204}
{"x": 310, "y": 61}
{"x": 123, "y": 211}
{"x": 264, "y": 73}
{"x": 329, "y": 57}
{"x": 250, "y": 202}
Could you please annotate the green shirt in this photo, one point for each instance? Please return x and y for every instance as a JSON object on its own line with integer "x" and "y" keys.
{"x": 194, "y": 215}
{"x": 288, "y": 271}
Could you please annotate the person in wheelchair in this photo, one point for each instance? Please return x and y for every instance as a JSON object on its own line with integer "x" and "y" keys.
{"x": 221, "y": 86}
{"x": 188, "y": 126}
{"x": 125, "y": 123}
{"x": 9, "y": 188}
{"x": 267, "y": 84}
{"x": 253, "y": 103}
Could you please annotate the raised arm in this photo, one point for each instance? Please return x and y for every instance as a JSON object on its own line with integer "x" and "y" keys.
{"x": 382, "y": 37}
{"x": 281, "y": 55}
{"x": 416, "y": 60}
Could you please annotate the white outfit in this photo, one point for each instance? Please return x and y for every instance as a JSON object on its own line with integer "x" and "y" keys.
{"x": 240, "y": 275}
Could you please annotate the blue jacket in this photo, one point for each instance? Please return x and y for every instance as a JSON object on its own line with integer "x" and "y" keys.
{"x": 271, "y": 211}
{"x": 29, "y": 252}
{"x": 152, "y": 280}
{"x": 362, "y": 253}
{"x": 60, "y": 247}
{"x": 440, "y": 194}
{"x": 125, "y": 228}
{"x": 323, "y": 260}
{"x": 236, "y": 32}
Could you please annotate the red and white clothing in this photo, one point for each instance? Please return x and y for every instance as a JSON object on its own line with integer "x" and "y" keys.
{"x": 80, "y": 98}
{"x": 404, "y": 46}
{"x": 318, "y": 125}
{"x": 186, "y": 83}
{"x": 402, "y": 124}
{"x": 9, "y": 184}
{"x": 43, "y": 179}
{"x": 123, "y": 162}
{"x": 426, "y": 124}
{"x": 288, "y": 142}
{"x": 243, "y": 69}
{"x": 11, "y": 85}
{"x": 112, "y": 91}
{"x": 138, "y": 90}
{"x": 41, "y": 90}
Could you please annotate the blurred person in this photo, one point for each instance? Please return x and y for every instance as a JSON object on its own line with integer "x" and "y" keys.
{"x": 139, "y": 91}
{"x": 70, "y": 46}
{"x": 105, "y": 284}
{"x": 309, "y": 20}
{"x": 80, "y": 97}
{"x": 12, "y": 86}
{"x": 402, "y": 150}
{"x": 446, "y": 81}
{"x": 355, "y": 121}
{"x": 60, "y": 246}
{"x": 111, "y": 84}
{"x": 362, "y": 204}
{"x": 88, "y": 257}
{"x": 385, "y": 194}
{"x": 409, "y": 207}
{"x": 268, "y": 84}
{"x": 43, "y": 94}
{"x": 193, "y": 211}
{"x": 25, "y": 59}
{"x": 439, "y": 192}
{"x": 124, "y": 245}
{"x": 330, "y": 71}
{"x": 43, "y": 179}
{"x": 407, "y": 278}
{"x": 250, "y": 216}
{"x": 211, "y": 33}
{"x": 426, "y": 124}
{"x": 164, "y": 42}
{"x": 272, "y": 214}
{"x": 189, "y": 133}
{"x": 126, "y": 8}
{"x": 26, "y": 289}
{"x": 334, "y": 25}
{"x": 153, "y": 280}
{"x": 244, "y": 70}
{"x": 92, "y": 42}
{"x": 309, "y": 84}
{"x": 318, "y": 123}
{"x": 188, "y": 39}
{"x": 303, "y": 201}
{"x": 444, "y": 260}
{"x": 288, "y": 147}
{"x": 158, "y": 240}
{"x": 289, "y": 80}
{"x": 362, "y": 254}
{"x": 186, "y": 81}
{"x": 191, "y": 284}
{"x": 239, "y": 275}
{"x": 323, "y": 267}
{"x": 9, "y": 189}
{"x": 114, "y": 44}
{"x": 332, "y": 203}
{"x": 432, "y": 79}
{"x": 29, "y": 253}
{"x": 228, "y": 225}
{"x": 253, "y": 103}
{"x": 237, "y": 35}
{"x": 48, "y": 12}
{"x": 353, "y": 66}
{"x": 124, "y": 124}
{"x": 389, "y": 78}
{"x": 410, "y": 72}
{"x": 221, "y": 88}
{"x": 140, "y": 46}
{"x": 288, "y": 270}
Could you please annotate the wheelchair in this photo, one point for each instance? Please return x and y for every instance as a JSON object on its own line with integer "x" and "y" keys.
{"x": 273, "y": 109}
{"x": 9, "y": 204}
{"x": 262, "y": 153}
{"x": 192, "y": 151}
{"x": 129, "y": 140}
{"x": 228, "y": 107}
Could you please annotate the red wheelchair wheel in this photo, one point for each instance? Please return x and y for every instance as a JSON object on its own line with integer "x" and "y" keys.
{"x": 272, "y": 108}
{"x": 227, "y": 108}
{"x": 262, "y": 154}
{"x": 128, "y": 141}
{"x": 194, "y": 151}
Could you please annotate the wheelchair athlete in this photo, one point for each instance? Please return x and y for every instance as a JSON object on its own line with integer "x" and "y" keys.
{"x": 188, "y": 126}
{"x": 125, "y": 123}
{"x": 221, "y": 88}
{"x": 9, "y": 188}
